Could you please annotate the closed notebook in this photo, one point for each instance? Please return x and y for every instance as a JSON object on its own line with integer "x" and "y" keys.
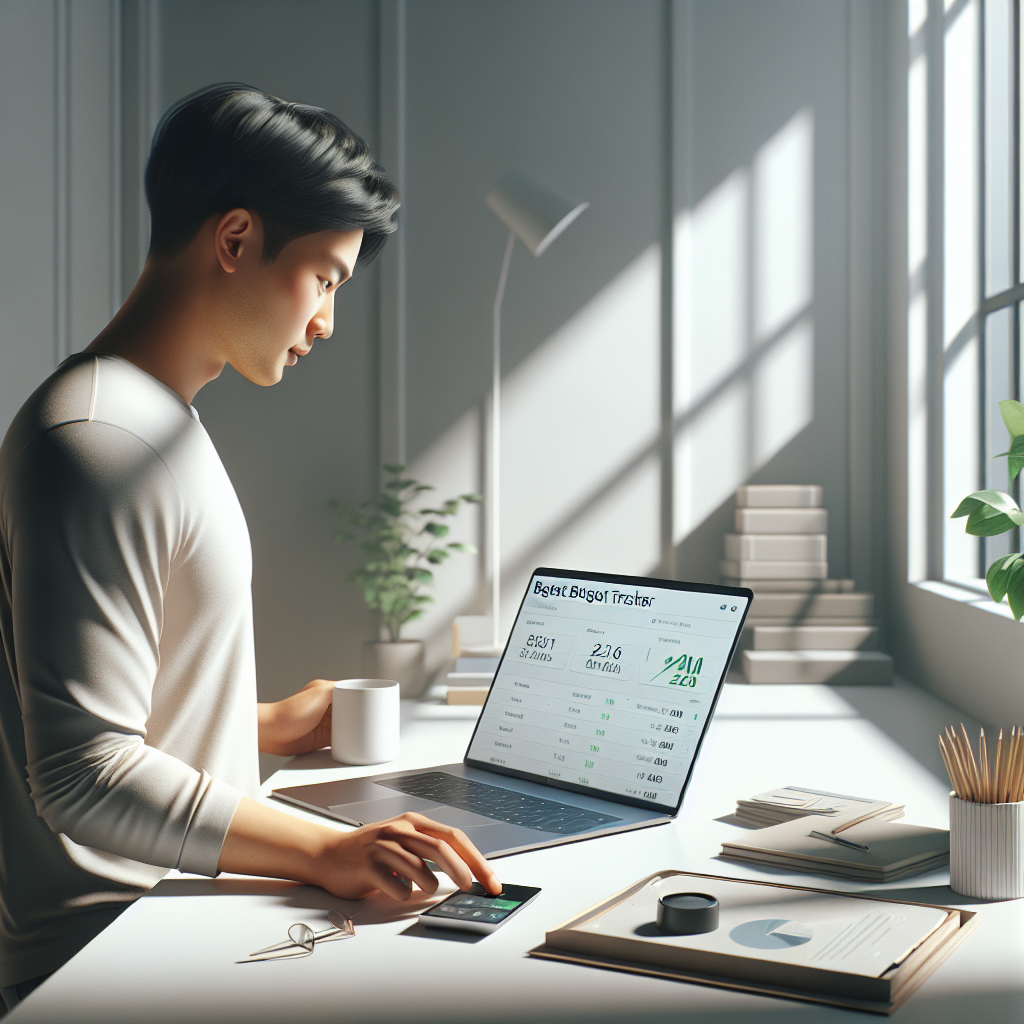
{"x": 894, "y": 848}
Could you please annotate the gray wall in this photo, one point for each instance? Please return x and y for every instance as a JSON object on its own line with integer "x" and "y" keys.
{"x": 727, "y": 150}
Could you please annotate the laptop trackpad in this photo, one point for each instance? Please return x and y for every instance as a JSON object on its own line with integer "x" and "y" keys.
{"x": 365, "y": 811}
{"x": 456, "y": 816}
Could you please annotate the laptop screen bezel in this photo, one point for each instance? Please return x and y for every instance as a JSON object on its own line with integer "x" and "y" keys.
{"x": 625, "y": 581}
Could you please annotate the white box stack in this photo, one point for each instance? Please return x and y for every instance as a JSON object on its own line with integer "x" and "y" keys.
{"x": 802, "y": 627}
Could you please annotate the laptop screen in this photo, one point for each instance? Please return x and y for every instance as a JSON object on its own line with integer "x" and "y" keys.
{"x": 607, "y": 684}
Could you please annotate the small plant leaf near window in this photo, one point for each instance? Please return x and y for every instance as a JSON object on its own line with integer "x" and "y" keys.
{"x": 990, "y": 513}
{"x": 398, "y": 543}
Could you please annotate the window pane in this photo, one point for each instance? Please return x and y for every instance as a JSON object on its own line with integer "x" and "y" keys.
{"x": 998, "y": 145}
{"x": 960, "y": 253}
{"x": 961, "y": 450}
{"x": 998, "y": 385}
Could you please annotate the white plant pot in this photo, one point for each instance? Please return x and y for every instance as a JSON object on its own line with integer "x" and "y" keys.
{"x": 401, "y": 660}
{"x": 986, "y": 849}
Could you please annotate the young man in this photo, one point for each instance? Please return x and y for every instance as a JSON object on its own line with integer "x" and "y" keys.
{"x": 128, "y": 715}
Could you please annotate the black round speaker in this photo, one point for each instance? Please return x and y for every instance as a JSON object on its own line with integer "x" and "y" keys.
{"x": 687, "y": 913}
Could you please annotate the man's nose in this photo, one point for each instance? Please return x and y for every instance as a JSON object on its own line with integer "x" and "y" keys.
{"x": 322, "y": 325}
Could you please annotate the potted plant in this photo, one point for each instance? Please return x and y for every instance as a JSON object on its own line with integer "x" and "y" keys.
{"x": 990, "y": 513}
{"x": 399, "y": 544}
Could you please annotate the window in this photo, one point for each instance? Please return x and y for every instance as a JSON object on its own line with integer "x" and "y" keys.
{"x": 964, "y": 270}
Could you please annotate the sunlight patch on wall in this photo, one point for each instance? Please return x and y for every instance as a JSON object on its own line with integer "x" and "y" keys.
{"x": 744, "y": 337}
{"x": 783, "y": 391}
{"x": 783, "y": 242}
{"x": 580, "y": 420}
{"x": 917, "y": 13}
{"x": 718, "y": 240}
{"x": 713, "y": 451}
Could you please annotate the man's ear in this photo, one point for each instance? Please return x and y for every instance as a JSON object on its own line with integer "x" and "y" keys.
{"x": 238, "y": 232}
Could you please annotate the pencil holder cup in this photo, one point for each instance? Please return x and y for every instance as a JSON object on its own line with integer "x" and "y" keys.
{"x": 986, "y": 849}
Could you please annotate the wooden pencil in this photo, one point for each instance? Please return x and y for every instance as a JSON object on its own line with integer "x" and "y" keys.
{"x": 953, "y": 768}
{"x": 1017, "y": 780}
{"x": 966, "y": 769}
{"x": 997, "y": 773}
{"x": 954, "y": 754}
{"x": 1011, "y": 767}
{"x": 986, "y": 779}
{"x": 969, "y": 764}
{"x": 1019, "y": 772}
{"x": 950, "y": 770}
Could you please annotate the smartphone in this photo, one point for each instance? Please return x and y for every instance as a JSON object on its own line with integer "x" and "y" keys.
{"x": 477, "y": 910}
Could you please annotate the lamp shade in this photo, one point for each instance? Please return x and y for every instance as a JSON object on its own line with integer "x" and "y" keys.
{"x": 536, "y": 213}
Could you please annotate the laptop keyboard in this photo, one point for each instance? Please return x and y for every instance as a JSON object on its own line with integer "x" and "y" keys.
{"x": 498, "y": 803}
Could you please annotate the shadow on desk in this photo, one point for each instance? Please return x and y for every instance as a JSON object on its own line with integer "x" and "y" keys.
{"x": 910, "y": 716}
{"x": 940, "y": 894}
{"x": 373, "y": 909}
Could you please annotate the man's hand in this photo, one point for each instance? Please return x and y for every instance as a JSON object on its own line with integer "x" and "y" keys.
{"x": 389, "y": 854}
{"x": 299, "y": 723}
{"x": 264, "y": 841}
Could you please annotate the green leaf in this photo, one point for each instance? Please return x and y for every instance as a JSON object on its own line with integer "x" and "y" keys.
{"x": 989, "y": 513}
{"x": 1016, "y": 456}
{"x": 1013, "y": 416}
{"x": 989, "y": 522}
{"x": 436, "y": 529}
{"x": 1015, "y": 593}
{"x": 998, "y": 576}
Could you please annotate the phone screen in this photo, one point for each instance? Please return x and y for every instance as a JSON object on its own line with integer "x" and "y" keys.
{"x": 479, "y": 905}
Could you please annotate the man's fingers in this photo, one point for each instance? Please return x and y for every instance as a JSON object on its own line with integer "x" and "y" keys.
{"x": 437, "y": 850}
{"x": 407, "y": 864}
{"x": 458, "y": 853}
{"x": 459, "y": 842}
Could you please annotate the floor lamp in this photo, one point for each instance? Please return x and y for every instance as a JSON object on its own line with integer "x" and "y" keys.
{"x": 536, "y": 215}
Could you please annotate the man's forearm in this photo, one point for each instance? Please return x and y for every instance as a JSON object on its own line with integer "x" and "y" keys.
{"x": 299, "y": 723}
{"x": 264, "y": 841}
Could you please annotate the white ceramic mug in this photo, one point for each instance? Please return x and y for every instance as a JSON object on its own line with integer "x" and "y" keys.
{"x": 986, "y": 849}
{"x": 364, "y": 721}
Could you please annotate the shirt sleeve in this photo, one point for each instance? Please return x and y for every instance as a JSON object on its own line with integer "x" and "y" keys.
{"x": 94, "y": 523}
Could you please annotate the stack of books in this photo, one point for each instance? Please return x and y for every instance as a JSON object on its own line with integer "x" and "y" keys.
{"x": 802, "y": 627}
{"x": 476, "y": 660}
{"x": 792, "y": 802}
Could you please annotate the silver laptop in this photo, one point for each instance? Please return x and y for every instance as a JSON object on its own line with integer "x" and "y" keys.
{"x": 592, "y": 724}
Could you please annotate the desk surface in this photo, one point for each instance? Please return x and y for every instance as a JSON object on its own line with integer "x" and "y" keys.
{"x": 170, "y": 957}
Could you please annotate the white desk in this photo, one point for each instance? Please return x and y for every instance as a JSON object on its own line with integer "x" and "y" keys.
{"x": 170, "y": 956}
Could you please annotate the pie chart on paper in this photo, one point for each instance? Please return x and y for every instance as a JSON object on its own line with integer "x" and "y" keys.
{"x": 771, "y": 933}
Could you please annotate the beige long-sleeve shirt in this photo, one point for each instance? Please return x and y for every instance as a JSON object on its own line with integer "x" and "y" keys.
{"x": 127, "y": 686}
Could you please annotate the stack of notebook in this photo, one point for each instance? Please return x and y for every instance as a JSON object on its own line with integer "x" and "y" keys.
{"x": 476, "y": 660}
{"x": 868, "y": 851}
{"x": 803, "y": 627}
{"x": 791, "y": 802}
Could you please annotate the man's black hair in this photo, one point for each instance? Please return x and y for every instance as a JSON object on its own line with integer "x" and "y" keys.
{"x": 299, "y": 167}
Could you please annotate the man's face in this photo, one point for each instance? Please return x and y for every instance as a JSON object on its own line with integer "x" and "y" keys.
{"x": 284, "y": 305}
